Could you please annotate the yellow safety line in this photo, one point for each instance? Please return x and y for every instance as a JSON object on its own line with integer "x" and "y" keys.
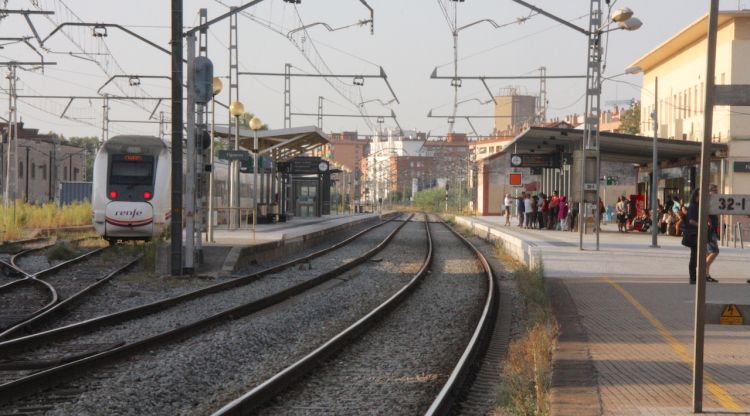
{"x": 711, "y": 385}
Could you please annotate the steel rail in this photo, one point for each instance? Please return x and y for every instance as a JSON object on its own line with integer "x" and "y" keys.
{"x": 16, "y": 344}
{"x": 448, "y": 395}
{"x": 65, "y": 303}
{"x": 52, "y": 295}
{"x": 292, "y": 374}
{"x": 52, "y": 376}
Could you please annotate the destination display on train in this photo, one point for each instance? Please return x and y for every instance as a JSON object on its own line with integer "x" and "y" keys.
{"x": 728, "y": 204}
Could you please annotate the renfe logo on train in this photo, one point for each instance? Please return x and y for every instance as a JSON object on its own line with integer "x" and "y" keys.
{"x": 130, "y": 213}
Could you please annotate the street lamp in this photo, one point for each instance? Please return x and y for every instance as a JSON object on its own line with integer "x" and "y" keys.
{"x": 216, "y": 86}
{"x": 237, "y": 109}
{"x": 255, "y": 125}
{"x": 625, "y": 21}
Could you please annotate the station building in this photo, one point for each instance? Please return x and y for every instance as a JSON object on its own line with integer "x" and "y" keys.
{"x": 44, "y": 162}
{"x": 679, "y": 66}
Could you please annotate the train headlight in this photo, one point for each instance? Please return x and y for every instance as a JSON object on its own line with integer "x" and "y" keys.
{"x": 147, "y": 195}
{"x": 112, "y": 194}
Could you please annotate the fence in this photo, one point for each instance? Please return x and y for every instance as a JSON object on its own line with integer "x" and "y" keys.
{"x": 735, "y": 234}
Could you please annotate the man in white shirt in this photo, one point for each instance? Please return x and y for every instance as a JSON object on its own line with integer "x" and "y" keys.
{"x": 506, "y": 209}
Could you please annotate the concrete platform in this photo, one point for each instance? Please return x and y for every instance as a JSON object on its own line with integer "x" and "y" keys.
{"x": 626, "y": 313}
{"x": 234, "y": 249}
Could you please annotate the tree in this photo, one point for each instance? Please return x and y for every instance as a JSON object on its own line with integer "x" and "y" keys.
{"x": 91, "y": 144}
{"x": 630, "y": 122}
{"x": 245, "y": 122}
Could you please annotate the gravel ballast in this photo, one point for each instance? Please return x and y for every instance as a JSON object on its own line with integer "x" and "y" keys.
{"x": 399, "y": 366}
{"x": 199, "y": 374}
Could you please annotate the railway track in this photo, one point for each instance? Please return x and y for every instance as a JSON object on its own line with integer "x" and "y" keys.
{"x": 386, "y": 371}
{"x": 41, "y": 294}
{"x": 33, "y": 382}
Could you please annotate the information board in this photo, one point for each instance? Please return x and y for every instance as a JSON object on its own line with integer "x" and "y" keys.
{"x": 534, "y": 160}
{"x": 241, "y": 155}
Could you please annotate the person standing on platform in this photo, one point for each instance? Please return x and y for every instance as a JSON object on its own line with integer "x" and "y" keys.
{"x": 562, "y": 212}
{"x": 520, "y": 207}
{"x": 506, "y": 208}
{"x": 690, "y": 237}
{"x": 712, "y": 245}
{"x": 543, "y": 210}
{"x": 620, "y": 211}
{"x": 528, "y": 206}
{"x": 553, "y": 210}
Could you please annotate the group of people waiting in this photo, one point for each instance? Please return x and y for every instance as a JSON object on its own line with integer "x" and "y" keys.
{"x": 628, "y": 218}
{"x": 541, "y": 211}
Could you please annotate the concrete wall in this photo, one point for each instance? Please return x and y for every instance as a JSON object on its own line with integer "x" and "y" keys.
{"x": 527, "y": 253}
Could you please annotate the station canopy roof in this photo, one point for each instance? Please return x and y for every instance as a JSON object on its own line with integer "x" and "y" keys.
{"x": 281, "y": 144}
{"x": 618, "y": 147}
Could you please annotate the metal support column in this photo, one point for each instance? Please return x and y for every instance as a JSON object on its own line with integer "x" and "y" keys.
{"x": 700, "y": 286}
{"x": 234, "y": 94}
{"x": 320, "y": 112}
{"x": 541, "y": 115}
{"x": 590, "y": 143}
{"x": 200, "y": 160}
{"x": 176, "y": 199}
{"x": 11, "y": 178}
{"x": 105, "y": 118}
{"x": 287, "y": 96}
{"x": 190, "y": 159}
{"x": 655, "y": 172}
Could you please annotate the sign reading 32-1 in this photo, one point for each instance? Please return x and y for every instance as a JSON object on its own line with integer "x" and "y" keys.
{"x": 730, "y": 204}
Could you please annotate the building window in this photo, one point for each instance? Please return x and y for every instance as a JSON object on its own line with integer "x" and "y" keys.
{"x": 20, "y": 169}
{"x": 65, "y": 173}
{"x": 75, "y": 174}
{"x": 33, "y": 170}
{"x": 44, "y": 172}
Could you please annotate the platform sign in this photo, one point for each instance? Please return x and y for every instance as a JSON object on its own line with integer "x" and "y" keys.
{"x": 728, "y": 204}
{"x": 534, "y": 160}
{"x": 516, "y": 179}
{"x": 589, "y": 187}
{"x": 742, "y": 166}
{"x": 241, "y": 155}
{"x": 731, "y": 315}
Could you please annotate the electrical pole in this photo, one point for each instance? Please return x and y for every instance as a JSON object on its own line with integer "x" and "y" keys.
{"x": 176, "y": 222}
{"x": 655, "y": 170}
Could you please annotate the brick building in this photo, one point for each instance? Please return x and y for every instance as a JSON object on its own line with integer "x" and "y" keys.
{"x": 43, "y": 163}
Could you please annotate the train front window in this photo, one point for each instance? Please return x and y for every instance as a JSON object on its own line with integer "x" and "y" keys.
{"x": 131, "y": 173}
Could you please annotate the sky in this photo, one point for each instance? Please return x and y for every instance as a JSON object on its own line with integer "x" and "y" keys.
{"x": 411, "y": 38}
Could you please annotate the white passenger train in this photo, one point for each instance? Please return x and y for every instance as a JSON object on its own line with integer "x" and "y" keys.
{"x": 131, "y": 190}
{"x": 132, "y": 181}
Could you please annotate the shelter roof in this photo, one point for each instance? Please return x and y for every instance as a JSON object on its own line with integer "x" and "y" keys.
{"x": 281, "y": 144}
{"x": 618, "y": 147}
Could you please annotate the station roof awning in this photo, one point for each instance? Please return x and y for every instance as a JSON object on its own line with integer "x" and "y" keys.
{"x": 617, "y": 147}
{"x": 281, "y": 144}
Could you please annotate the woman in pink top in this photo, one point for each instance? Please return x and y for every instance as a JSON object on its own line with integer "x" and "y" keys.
{"x": 562, "y": 212}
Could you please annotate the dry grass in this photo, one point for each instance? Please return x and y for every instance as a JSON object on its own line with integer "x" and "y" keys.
{"x": 528, "y": 372}
{"x": 528, "y": 367}
{"x": 50, "y": 215}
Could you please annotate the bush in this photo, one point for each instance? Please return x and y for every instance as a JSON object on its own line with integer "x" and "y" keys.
{"x": 49, "y": 215}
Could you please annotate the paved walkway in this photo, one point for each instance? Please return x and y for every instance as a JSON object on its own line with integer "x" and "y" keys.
{"x": 635, "y": 309}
